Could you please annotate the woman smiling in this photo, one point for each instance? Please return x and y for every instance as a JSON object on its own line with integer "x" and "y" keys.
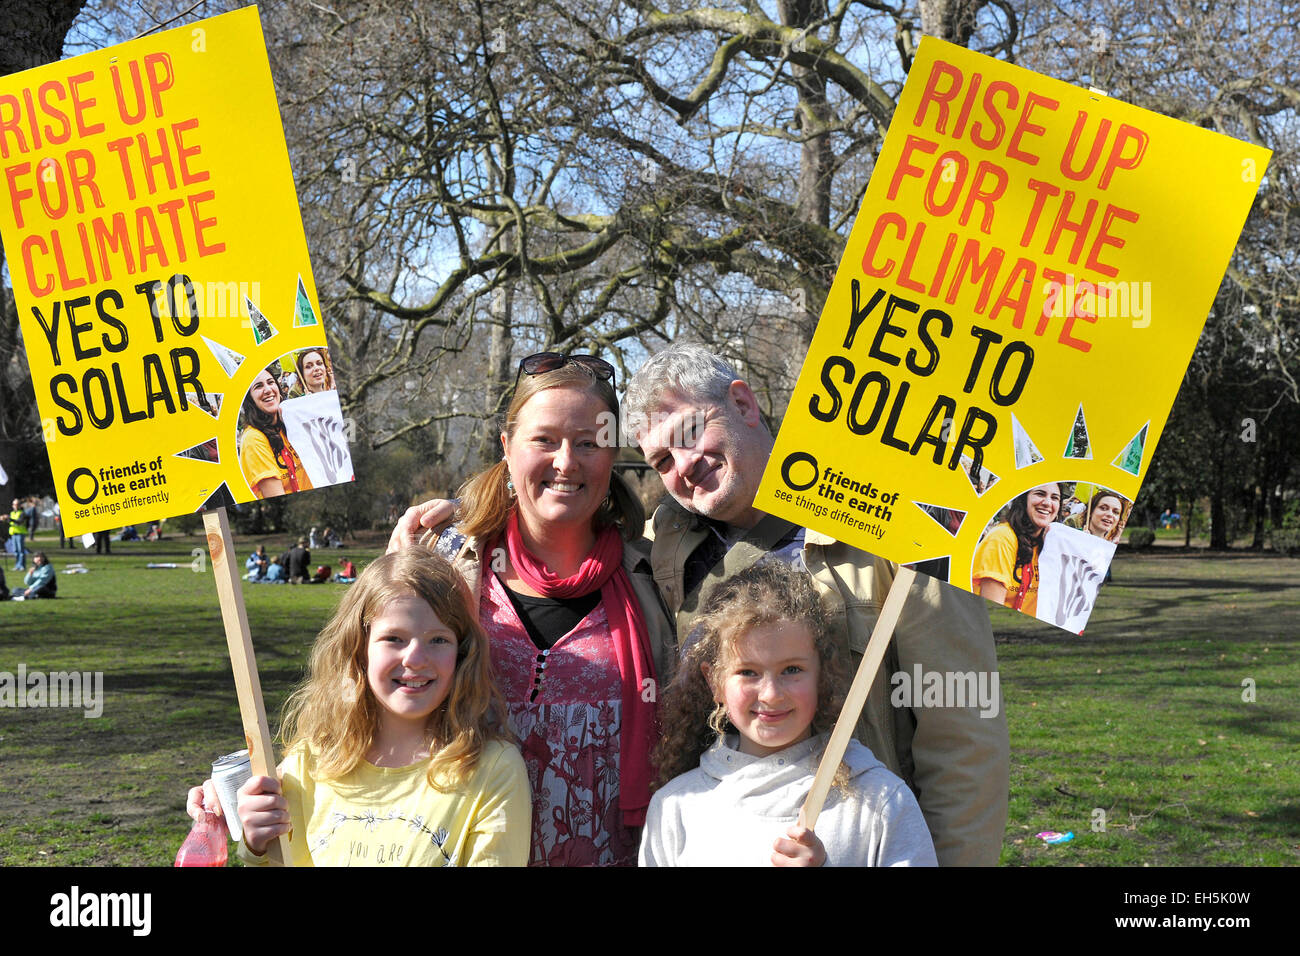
{"x": 1105, "y": 515}
{"x": 314, "y": 372}
{"x": 1006, "y": 561}
{"x": 270, "y": 465}
{"x": 577, "y": 632}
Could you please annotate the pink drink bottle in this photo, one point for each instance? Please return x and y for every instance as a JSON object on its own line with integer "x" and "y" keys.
{"x": 205, "y": 845}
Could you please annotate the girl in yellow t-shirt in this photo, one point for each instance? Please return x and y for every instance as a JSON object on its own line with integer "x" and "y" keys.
{"x": 1006, "y": 561}
{"x": 395, "y": 754}
{"x": 270, "y": 465}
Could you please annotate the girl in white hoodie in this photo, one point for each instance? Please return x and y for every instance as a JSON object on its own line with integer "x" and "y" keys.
{"x": 745, "y": 723}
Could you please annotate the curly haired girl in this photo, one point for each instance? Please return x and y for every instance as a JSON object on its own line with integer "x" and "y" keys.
{"x": 745, "y": 722}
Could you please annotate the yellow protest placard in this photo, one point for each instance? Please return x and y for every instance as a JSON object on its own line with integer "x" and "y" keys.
{"x": 1017, "y": 303}
{"x": 160, "y": 270}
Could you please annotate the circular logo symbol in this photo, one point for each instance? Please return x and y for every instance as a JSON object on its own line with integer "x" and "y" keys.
{"x": 72, "y": 485}
{"x": 788, "y": 465}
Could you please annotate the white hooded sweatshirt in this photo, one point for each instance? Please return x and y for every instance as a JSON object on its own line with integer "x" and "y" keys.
{"x": 733, "y": 807}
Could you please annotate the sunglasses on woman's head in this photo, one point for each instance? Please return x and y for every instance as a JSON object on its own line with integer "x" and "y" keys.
{"x": 550, "y": 361}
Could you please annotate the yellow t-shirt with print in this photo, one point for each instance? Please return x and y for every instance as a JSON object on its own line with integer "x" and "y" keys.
{"x": 258, "y": 462}
{"x": 995, "y": 559}
{"x": 390, "y": 816}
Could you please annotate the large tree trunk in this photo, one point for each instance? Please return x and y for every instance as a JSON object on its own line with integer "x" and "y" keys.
{"x": 31, "y": 34}
{"x": 1218, "y": 523}
{"x": 500, "y": 344}
{"x": 1257, "y": 542}
{"x": 813, "y": 200}
{"x": 1218, "y": 509}
{"x": 951, "y": 20}
{"x": 500, "y": 353}
{"x": 813, "y": 197}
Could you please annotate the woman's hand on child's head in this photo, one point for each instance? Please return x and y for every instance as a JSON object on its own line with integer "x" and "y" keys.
{"x": 803, "y": 848}
{"x": 432, "y": 515}
{"x": 263, "y": 812}
{"x": 201, "y": 800}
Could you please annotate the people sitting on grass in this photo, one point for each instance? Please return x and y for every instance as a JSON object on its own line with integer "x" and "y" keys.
{"x": 263, "y": 570}
{"x": 277, "y": 571}
{"x": 257, "y": 564}
{"x": 299, "y": 558}
{"x": 40, "y": 581}
{"x": 347, "y": 573}
{"x": 322, "y": 575}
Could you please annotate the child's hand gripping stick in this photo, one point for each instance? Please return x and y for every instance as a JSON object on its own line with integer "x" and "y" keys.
{"x": 857, "y": 696}
{"x": 243, "y": 663}
{"x": 263, "y": 813}
{"x": 800, "y": 847}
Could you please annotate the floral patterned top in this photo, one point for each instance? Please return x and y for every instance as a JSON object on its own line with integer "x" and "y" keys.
{"x": 565, "y": 706}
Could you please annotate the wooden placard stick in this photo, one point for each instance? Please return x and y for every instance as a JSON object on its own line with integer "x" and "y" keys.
{"x": 857, "y": 696}
{"x": 252, "y": 710}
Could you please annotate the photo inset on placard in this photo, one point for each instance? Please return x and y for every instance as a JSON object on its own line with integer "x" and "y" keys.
{"x": 313, "y": 372}
{"x": 1005, "y": 568}
{"x": 981, "y": 479}
{"x": 1048, "y": 551}
{"x": 1099, "y": 511}
{"x": 208, "y": 451}
{"x": 269, "y": 462}
{"x": 949, "y": 519}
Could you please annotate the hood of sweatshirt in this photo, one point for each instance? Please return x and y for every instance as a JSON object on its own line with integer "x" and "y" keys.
{"x": 776, "y": 785}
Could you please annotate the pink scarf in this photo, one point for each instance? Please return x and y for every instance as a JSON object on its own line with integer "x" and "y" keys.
{"x": 603, "y": 569}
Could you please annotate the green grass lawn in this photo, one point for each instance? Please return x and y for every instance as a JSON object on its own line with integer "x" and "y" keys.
{"x": 1141, "y": 718}
{"x": 111, "y": 790}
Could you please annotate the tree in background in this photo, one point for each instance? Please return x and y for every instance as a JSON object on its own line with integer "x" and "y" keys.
{"x": 1231, "y": 68}
{"x": 31, "y": 33}
{"x": 481, "y": 179}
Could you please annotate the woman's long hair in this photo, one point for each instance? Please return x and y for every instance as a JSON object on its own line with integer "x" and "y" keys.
{"x": 268, "y": 425}
{"x": 335, "y": 714}
{"x": 301, "y": 357}
{"x": 485, "y": 500}
{"x": 1029, "y": 537}
{"x": 1092, "y": 507}
{"x": 764, "y": 594}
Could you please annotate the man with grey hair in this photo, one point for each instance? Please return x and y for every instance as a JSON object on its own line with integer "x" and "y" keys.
{"x": 699, "y": 426}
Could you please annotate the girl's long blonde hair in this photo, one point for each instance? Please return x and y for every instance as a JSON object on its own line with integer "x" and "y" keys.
{"x": 334, "y": 714}
{"x": 767, "y": 593}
